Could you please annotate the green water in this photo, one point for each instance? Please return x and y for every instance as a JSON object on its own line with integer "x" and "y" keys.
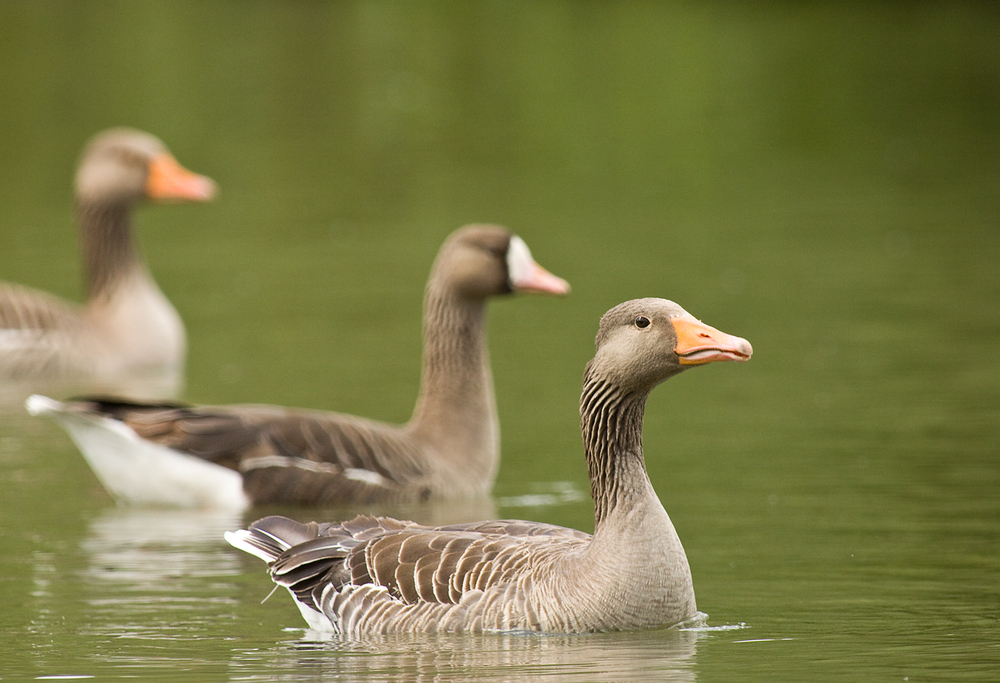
{"x": 822, "y": 180}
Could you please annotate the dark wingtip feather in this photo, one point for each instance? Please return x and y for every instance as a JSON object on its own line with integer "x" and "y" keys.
{"x": 287, "y": 531}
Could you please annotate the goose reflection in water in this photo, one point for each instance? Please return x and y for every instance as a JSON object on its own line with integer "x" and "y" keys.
{"x": 660, "y": 655}
{"x": 167, "y": 575}
{"x": 153, "y": 573}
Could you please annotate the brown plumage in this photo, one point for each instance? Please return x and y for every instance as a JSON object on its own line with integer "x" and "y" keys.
{"x": 380, "y": 575}
{"x": 127, "y": 327}
{"x": 449, "y": 448}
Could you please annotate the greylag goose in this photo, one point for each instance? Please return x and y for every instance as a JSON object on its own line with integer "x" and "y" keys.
{"x": 233, "y": 456}
{"x": 127, "y": 326}
{"x": 380, "y": 575}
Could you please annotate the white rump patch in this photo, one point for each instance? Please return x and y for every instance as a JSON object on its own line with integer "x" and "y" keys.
{"x": 318, "y": 622}
{"x": 137, "y": 471}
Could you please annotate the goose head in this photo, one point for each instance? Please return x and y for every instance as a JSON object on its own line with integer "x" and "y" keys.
{"x": 124, "y": 166}
{"x": 479, "y": 261}
{"x": 642, "y": 342}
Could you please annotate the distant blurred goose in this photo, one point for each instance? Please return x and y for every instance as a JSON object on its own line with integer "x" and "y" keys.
{"x": 126, "y": 325}
{"x": 232, "y": 456}
{"x": 380, "y": 575}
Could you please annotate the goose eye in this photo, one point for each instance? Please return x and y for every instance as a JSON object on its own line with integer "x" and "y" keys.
{"x": 642, "y": 322}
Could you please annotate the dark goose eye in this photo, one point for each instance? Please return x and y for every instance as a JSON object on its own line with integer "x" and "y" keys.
{"x": 642, "y": 322}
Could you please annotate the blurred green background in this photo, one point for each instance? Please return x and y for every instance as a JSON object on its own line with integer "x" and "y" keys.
{"x": 820, "y": 178}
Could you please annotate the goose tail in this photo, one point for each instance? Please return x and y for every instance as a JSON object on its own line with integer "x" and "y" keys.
{"x": 270, "y": 536}
{"x": 136, "y": 471}
{"x": 304, "y": 571}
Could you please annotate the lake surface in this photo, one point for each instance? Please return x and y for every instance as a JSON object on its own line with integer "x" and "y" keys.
{"x": 822, "y": 180}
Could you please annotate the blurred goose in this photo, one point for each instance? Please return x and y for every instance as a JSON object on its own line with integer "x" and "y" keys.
{"x": 232, "y": 456}
{"x": 380, "y": 575}
{"x": 126, "y": 325}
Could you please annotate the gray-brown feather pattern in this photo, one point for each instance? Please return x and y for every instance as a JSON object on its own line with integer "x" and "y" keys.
{"x": 284, "y": 455}
{"x": 611, "y": 422}
{"x": 375, "y": 574}
{"x": 35, "y": 328}
{"x": 109, "y": 250}
{"x": 22, "y": 308}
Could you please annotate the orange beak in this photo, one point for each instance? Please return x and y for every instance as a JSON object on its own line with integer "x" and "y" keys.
{"x": 168, "y": 180}
{"x": 698, "y": 344}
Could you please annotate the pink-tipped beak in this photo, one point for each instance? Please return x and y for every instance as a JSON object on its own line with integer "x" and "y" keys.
{"x": 698, "y": 344}
{"x": 539, "y": 280}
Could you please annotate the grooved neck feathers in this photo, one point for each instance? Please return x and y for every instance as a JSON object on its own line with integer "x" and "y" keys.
{"x": 109, "y": 249}
{"x": 611, "y": 422}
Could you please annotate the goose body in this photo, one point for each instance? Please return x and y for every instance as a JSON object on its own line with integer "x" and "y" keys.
{"x": 380, "y": 575}
{"x": 126, "y": 328}
{"x": 272, "y": 454}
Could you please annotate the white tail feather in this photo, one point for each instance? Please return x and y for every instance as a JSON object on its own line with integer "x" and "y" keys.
{"x": 240, "y": 539}
{"x": 136, "y": 471}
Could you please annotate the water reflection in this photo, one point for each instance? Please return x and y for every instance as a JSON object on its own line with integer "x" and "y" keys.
{"x": 158, "y": 573}
{"x": 663, "y": 655}
{"x": 430, "y": 513}
{"x": 140, "y": 547}
{"x": 546, "y": 494}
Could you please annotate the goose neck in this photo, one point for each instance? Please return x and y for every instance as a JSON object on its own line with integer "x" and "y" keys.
{"x": 611, "y": 422}
{"x": 109, "y": 249}
{"x": 456, "y": 410}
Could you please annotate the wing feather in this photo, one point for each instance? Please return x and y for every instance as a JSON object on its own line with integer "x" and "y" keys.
{"x": 284, "y": 455}
{"x": 37, "y": 331}
{"x": 369, "y": 573}
{"x": 24, "y": 308}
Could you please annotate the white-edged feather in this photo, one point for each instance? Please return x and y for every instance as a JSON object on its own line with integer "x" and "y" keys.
{"x": 241, "y": 539}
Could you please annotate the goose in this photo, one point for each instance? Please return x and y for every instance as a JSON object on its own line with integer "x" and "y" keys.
{"x": 235, "y": 456}
{"x": 127, "y": 326}
{"x": 376, "y": 575}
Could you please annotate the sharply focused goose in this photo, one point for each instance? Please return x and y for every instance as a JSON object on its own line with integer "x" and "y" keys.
{"x": 380, "y": 575}
{"x": 127, "y": 326}
{"x": 232, "y": 456}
